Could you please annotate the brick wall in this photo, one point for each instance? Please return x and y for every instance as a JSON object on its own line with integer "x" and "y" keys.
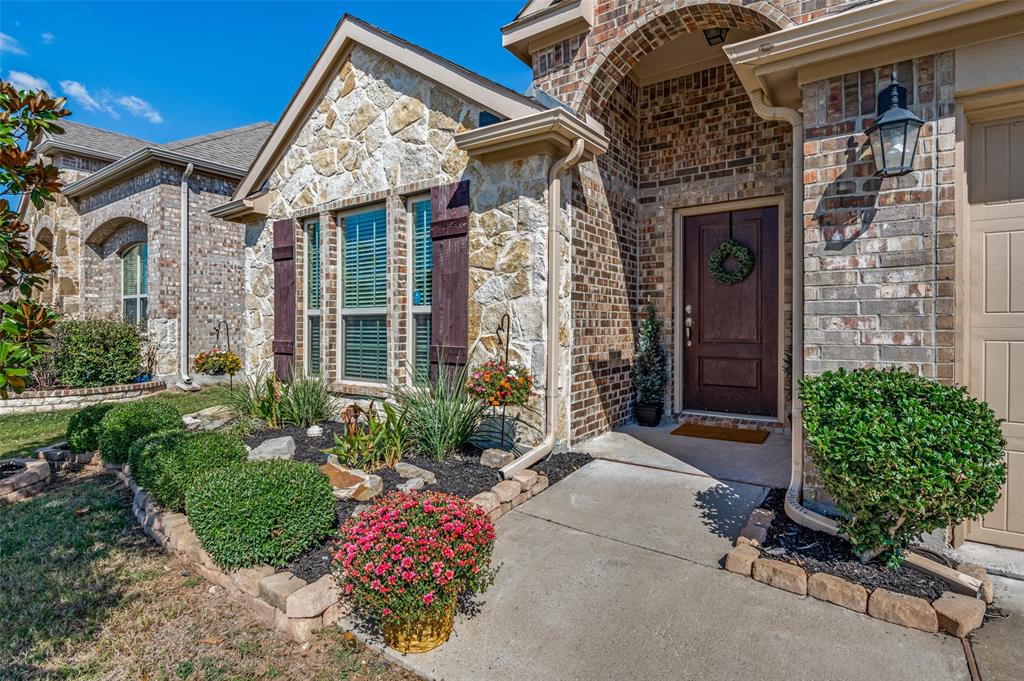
{"x": 701, "y": 143}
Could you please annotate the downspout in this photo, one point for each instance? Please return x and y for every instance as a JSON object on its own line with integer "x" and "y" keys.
{"x": 795, "y": 509}
{"x": 186, "y": 381}
{"x": 554, "y": 254}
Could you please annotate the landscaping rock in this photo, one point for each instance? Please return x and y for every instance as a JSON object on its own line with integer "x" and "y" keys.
{"x": 336, "y": 612}
{"x": 301, "y": 629}
{"x": 785, "y": 576}
{"x": 907, "y": 611}
{"x": 488, "y": 501}
{"x": 540, "y": 485}
{"x": 978, "y": 572}
{"x": 526, "y": 479}
{"x": 412, "y": 484}
{"x": 345, "y": 481}
{"x": 506, "y": 490}
{"x": 741, "y": 559}
{"x": 496, "y": 458}
{"x": 371, "y": 487}
{"x": 275, "y": 448}
{"x": 248, "y": 579}
{"x": 957, "y": 614}
{"x": 312, "y": 599}
{"x": 407, "y": 470}
{"x": 826, "y": 587}
{"x": 276, "y": 588}
{"x": 314, "y": 431}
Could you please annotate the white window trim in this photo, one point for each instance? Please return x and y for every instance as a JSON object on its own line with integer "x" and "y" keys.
{"x": 308, "y": 311}
{"x": 413, "y": 310}
{"x": 344, "y": 312}
{"x": 138, "y": 297}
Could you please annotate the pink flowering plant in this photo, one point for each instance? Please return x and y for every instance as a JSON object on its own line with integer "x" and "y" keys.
{"x": 499, "y": 383}
{"x": 411, "y": 554}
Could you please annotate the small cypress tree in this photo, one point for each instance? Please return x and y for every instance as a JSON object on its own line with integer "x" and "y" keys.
{"x": 649, "y": 374}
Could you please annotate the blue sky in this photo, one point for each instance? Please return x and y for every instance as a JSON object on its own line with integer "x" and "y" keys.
{"x": 167, "y": 70}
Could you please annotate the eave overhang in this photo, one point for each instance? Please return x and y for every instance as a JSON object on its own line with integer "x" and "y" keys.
{"x": 137, "y": 160}
{"x": 536, "y": 31}
{"x": 551, "y": 132}
{"x": 877, "y": 34}
{"x": 246, "y": 209}
{"x": 48, "y": 146}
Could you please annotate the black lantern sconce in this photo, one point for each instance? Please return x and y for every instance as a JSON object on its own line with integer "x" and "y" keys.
{"x": 715, "y": 36}
{"x": 894, "y": 135}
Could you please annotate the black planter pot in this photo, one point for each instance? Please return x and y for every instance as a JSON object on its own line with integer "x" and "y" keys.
{"x": 648, "y": 416}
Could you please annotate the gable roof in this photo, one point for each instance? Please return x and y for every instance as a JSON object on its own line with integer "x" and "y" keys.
{"x": 349, "y": 32}
{"x": 235, "y": 147}
{"x": 96, "y": 142}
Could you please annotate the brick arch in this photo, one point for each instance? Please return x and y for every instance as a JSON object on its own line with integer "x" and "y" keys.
{"x": 116, "y": 234}
{"x": 662, "y": 25}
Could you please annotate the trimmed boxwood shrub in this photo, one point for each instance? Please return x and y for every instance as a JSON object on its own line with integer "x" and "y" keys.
{"x": 165, "y": 464}
{"x": 260, "y": 512}
{"x": 95, "y": 352}
{"x": 83, "y": 428}
{"x": 901, "y": 455}
{"x": 127, "y": 423}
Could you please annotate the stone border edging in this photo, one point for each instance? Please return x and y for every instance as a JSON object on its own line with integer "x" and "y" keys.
{"x": 27, "y": 483}
{"x": 60, "y": 399}
{"x": 281, "y": 600}
{"x": 953, "y": 613}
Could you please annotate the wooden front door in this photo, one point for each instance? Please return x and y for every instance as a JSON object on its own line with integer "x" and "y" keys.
{"x": 995, "y": 285}
{"x": 729, "y": 332}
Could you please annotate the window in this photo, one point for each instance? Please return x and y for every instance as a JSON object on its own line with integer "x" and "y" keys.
{"x": 364, "y": 296}
{"x": 313, "y": 293}
{"x": 134, "y": 284}
{"x": 420, "y": 271}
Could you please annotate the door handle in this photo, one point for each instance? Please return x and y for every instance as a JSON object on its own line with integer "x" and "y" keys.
{"x": 688, "y": 326}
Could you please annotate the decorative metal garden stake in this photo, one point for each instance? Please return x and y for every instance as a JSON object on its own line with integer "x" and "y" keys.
{"x": 503, "y": 332}
{"x": 216, "y": 344}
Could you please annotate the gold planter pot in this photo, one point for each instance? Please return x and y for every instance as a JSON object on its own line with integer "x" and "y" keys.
{"x": 420, "y": 635}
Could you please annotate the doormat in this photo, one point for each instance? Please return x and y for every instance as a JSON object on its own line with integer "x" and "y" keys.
{"x": 752, "y": 437}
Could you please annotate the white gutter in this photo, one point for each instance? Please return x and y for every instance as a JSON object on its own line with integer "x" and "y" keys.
{"x": 794, "y": 494}
{"x": 186, "y": 381}
{"x": 553, "y": 313}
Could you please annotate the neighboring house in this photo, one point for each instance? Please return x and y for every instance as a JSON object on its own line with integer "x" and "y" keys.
{"x": 403, "y": 204}
{"x": 115, "y": 232}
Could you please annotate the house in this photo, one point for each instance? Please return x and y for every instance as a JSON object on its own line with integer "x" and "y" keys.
{"x": 114, "y": 233}
{"x": 403, "y": 205}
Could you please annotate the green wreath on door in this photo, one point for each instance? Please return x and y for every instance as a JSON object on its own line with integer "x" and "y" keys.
{"x": 743, "y": 256}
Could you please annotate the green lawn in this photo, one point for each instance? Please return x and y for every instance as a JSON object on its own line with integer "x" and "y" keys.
{"x": 22, "y": 435}
{"x": 85, "y": 595}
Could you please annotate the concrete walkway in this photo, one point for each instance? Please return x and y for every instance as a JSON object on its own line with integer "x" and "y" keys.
{"x": 612, "y": 574}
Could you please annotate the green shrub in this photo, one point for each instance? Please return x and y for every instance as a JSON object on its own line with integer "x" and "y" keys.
{"x": 372, "y": 439}
{"x": 257, "y": 401}
{"x": 96, "y": 352}
{"x": 127, "y": 423}
{"x": 307, "y": 401}
{"x": 166, "y": 463}
{"x": 441, "y": 415}
{"x": 649, "y": 374}
{"x": 84, "y": 428}
{"x": 901, "y": 455}
{"x": 260, "y": 512}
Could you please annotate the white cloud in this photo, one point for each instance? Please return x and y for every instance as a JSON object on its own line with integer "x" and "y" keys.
{"x": 80, "y": 94}
{"x": 48, "y": 38}
{"x": 26, "y": 81}
{"x": 10, "y": 45}
{"x": 141, "y": 108}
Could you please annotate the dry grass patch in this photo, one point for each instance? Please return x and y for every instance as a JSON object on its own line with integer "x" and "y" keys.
{"x": 85, "y": 595}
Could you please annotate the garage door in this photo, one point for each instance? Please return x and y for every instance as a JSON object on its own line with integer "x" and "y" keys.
{"x": 996, "y": 296}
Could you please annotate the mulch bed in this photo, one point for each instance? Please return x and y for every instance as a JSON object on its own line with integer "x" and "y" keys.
{"x": 9, "y": 468}
{"x": 819, "y": 552}
{"x": 460, "y": 474}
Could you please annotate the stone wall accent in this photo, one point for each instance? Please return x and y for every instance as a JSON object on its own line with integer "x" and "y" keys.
{"x": 27, "y": 483}
{"x": 381, "y": 135}
{"x": 40, "y": 401}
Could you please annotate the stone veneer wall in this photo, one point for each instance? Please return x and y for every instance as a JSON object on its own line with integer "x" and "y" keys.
{"x": 879, "y": 255}
{"x": 701, "y": 143}
{"x": 383, "y": 134}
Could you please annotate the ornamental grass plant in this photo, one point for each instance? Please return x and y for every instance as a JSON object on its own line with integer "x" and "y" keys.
{"x": 441, "y": 414}
{"x": 410, "y": 555}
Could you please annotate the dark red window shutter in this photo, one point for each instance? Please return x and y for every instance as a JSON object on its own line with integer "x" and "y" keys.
{"x": 284, "y": 298}
{"x": 449, "y": 233}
